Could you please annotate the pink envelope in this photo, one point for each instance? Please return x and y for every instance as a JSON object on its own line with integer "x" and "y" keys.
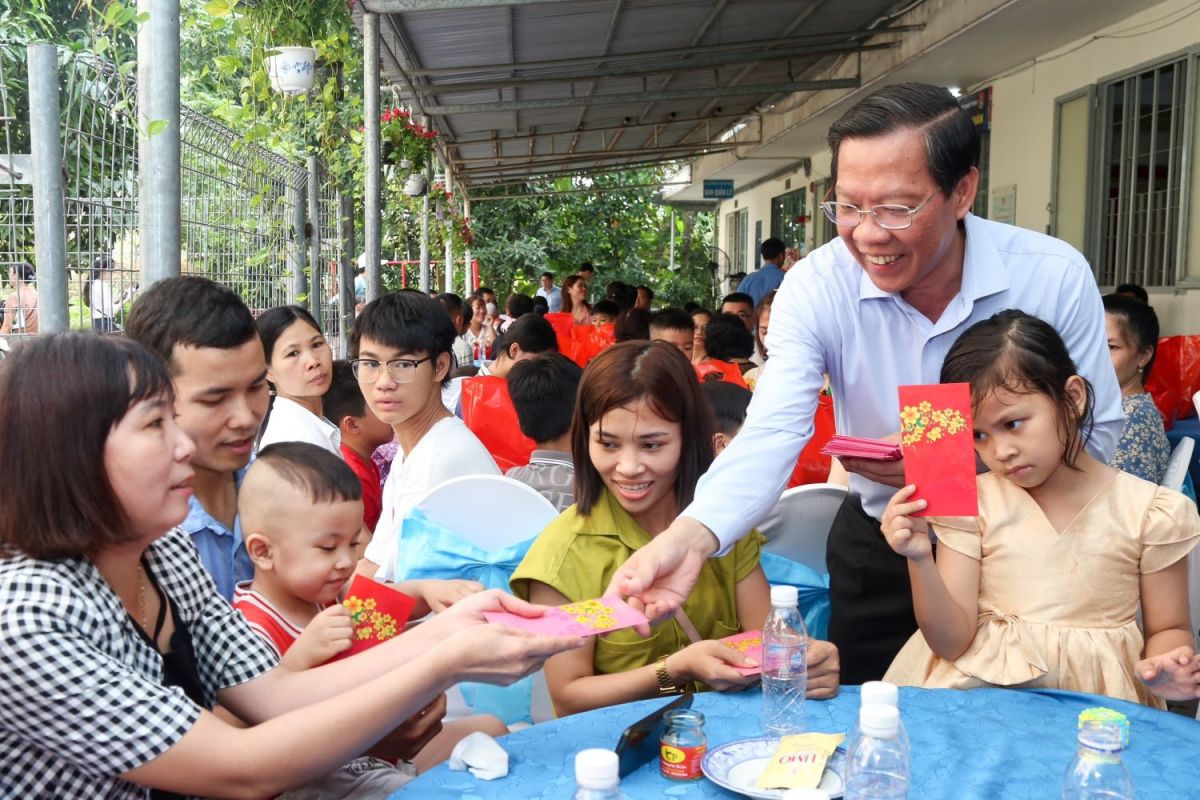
{"x": 585, "y": 618}
{"x": 749, "y": 644}
{"x": 855, "y": 447}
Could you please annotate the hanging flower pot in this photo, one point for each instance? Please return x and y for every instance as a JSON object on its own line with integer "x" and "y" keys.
{"x": 291, "y": 69}
{"x": 416, "y": 185}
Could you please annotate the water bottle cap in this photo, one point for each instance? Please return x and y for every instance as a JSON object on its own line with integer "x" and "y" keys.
{"x": 806, "y": 794}
{"x": 1105, "y": 736}
{"x": 879, "y": 720}
{"x": 880, "y": 693}
{"x": 597, "y": 768}
{"x": 785, "y": 596}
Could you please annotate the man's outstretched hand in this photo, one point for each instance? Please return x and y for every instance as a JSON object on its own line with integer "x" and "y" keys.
{"x": 658, "y": 578}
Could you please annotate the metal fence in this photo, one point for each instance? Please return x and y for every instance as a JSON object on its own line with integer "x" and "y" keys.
{"x": 239, "y": 203}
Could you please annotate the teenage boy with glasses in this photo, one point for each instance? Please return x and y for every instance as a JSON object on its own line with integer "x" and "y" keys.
{"x": 401, "y": 346}
{"x": 878, "y": 308}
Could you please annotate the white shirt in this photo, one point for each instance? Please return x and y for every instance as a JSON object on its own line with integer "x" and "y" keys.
{"x": 553, "y": 297}
{"x": 448, "y": 450}
{"x": 292, "y": 422}
{"x": 101, "y": 300}
{"x": 830, "y": 317}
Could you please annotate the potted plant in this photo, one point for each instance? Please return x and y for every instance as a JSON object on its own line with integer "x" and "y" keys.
{"x": 406, "y": 144}
{"x": 283, "y": 32}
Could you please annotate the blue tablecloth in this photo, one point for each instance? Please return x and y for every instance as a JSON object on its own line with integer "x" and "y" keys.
{"x": 985, "y": 744}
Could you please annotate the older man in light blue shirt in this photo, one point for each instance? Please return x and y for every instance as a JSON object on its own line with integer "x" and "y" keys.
{"x": 876, "y": 309}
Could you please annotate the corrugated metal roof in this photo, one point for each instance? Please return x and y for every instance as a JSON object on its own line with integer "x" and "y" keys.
{"x": 519, "y": 88}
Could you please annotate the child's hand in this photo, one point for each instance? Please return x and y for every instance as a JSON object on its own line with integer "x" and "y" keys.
{"x": 328, "y": 634}
{"x": 440, "y": 595}
{"x": 908, "y": 536}
{"x": 709, "y": 662}
{"x": 1172, "y": 676}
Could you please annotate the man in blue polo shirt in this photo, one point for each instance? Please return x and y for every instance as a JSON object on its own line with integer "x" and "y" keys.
{"x": 207, "y": 336}
{"x": 769, "y": 274}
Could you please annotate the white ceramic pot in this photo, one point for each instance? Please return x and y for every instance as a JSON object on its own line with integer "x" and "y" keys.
{"x": 292, "y": 70}
{"x": 416, "y": 185}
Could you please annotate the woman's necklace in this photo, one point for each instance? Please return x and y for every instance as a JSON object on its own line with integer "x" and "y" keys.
{"x": 145, "y": 620}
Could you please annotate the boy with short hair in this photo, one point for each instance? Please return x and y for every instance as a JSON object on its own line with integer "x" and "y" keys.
{"x": 362, "y": 432}
{"x": 543, "y": 391}
{"x": 301, "y": 510}
{"x": 674, "y": 326}
{"x": 401, "y": 347}
{"x": 208, "y": 338}
{"x": 605, "y": 312}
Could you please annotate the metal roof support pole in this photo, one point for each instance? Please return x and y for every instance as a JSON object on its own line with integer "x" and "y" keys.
{"x": 315, "y": 293}
{"x": 158, "y": 154}
{"x": 425, "y": 229}
{"x": 448, "y": 282}
{"x": 297, "y": 252}
{"x": 49, "y": 222}
{"x": 372, "y": 200}
{"x": 346, "y": 273}
{"x": 468, "y": 284}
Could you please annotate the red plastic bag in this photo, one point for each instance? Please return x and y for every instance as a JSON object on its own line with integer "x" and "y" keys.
{"x": 488, "y": 411}
{"x": 812, "y": 467}
{"x": 588, "y": 340}
{"x": 562, "y": 322}
{"x": 713, "y": 370}
{"x": 1176, "y": 377}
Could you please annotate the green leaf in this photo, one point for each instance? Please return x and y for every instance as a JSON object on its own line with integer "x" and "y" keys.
{"x": 101, "y": 45}
{"x": 218, "y": 8}
{"x": 228, "y": 65}
{"x": 156, "y": 127}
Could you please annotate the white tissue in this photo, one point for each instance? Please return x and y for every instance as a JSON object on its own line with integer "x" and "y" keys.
{"x": 482, "y": 755}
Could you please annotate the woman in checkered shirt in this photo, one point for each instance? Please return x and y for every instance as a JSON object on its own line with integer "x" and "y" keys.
{"x": 115, "y": 641}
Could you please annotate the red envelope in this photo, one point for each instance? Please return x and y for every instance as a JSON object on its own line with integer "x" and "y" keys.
{"x": 939, "y": 448}
{"x": 379, "y": 613}
{"x": 748, "y": 644}
{"x": 855, "y": 447}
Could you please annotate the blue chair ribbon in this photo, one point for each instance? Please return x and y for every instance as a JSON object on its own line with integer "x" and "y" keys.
{"x": 427, "y": 550}
{"x": 813, "y": 586}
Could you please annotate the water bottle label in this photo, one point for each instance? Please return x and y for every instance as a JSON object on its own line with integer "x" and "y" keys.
{"x": 681, "y": 763}
{"x": 779, "y": 659}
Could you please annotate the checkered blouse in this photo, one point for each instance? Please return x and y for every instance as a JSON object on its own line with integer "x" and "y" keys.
{"x": 81, "y": 693}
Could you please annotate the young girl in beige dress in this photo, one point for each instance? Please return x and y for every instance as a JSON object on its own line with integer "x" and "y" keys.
{"x": 1042, "y": 589}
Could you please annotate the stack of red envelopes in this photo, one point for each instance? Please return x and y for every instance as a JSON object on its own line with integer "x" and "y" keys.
{"x": 854, "y": 447}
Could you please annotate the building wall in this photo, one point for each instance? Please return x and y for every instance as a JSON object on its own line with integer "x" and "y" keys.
{"x": 1023, "y": 105}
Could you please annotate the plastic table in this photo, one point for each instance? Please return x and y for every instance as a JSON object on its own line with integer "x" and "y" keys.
{"x": 983, "y": 744}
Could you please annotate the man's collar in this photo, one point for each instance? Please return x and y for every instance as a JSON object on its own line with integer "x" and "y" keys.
{"x": 551, "y": 457}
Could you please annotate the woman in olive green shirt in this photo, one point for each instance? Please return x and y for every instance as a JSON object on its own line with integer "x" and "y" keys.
{"x": 641, "y": 437}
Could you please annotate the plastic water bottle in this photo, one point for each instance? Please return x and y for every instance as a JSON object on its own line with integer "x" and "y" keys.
{"x": 877, "y": 693}
{"x": 784, "y": 664}
{"x": 1097, "y": 773}
{"x": 597, "y": 775}
{"x": 877, "y": 765}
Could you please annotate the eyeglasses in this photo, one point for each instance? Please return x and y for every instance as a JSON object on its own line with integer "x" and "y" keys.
{"x": 401, "y": 370}
{"x": 892, "y": 217}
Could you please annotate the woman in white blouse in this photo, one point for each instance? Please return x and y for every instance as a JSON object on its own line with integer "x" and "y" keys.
{"x": 300, "y": 368}
{"x": 116, "y": 644}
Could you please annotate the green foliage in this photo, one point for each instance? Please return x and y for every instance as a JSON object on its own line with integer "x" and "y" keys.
{"x": 624, "y": 232}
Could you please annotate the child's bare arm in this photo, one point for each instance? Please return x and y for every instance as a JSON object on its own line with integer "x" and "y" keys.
{"x": 1169, "y": 667}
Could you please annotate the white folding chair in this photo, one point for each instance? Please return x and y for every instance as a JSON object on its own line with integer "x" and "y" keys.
{"x": 798, "y": 526}
{"x": 1177, "y": 465}
{"x": 1196, "y": 402}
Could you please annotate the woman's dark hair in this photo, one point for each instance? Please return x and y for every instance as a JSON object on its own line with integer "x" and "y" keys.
{"x": 541, "y": 305}
{"x": 632, "y": 325}
{"x": 274, "y": 321}
{"x": 61, "y": 394}
{"x": 1138, "y": 323}
{"x": 23, "y": 271}
{"x": 621, "y": 293}
{"x": 726, "y": 338}
{"x": 764, "y": 307}
{"x": 1133, "y": 290}
{"x": 568, "y": 305}
{"x": 1022, "y": 354}
{"x": 189, "y": 311}
{"x": 951, "y": 140}
{"x": 531, "y": 332}
{"x": 729, "y": 403}
{"x": 662, "y": 376}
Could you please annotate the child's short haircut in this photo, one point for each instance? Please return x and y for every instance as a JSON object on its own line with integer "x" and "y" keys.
{"x": 543, "y": 390}
{"x": 729, "y": 403}
{"x": 672, "y": 319}
{"x": 344, "y": 398}
{"x": 189, "y": 311}
{"x": 407, "y": 321}
{"x": 532, "y": 332}
{"x": 607, "y": 308}
{"x": 321, "y": 475}
{"x": 726, "y": 338}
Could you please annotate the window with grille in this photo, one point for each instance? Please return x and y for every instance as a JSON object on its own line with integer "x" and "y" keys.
{"x": 788, "y": 217}
{"x": 1141, "y": 176}
{"x": 737, "y": 237}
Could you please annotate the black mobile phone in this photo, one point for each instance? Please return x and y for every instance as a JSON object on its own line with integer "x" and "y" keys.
{"x": 639, "y": 742}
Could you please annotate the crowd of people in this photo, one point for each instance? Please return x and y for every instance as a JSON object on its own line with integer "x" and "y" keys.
{"x": 185, "y": 505}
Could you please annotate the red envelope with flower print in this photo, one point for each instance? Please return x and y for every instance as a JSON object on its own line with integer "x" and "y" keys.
{"x": 378, "y": 611}
{"x": 939, "y": 448}
{"x": 748, "y": 644}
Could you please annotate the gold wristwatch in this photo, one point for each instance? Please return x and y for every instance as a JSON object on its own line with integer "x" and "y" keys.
{"x": 666, "y": 684}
